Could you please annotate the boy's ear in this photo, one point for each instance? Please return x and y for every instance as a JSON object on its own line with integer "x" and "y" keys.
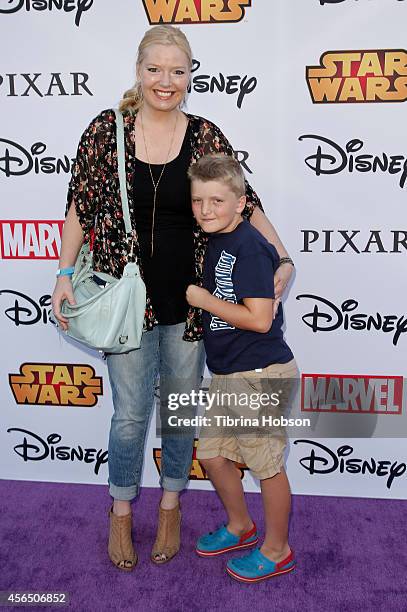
{"x": 242, "y": 204}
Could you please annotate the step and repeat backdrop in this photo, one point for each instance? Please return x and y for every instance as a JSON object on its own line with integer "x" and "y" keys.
{"x": 312, "y": 96}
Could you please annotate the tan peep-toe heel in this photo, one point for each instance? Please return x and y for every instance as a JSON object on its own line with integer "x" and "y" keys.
{"x": 120, "y": 549}
{"x": 167, "y": 542}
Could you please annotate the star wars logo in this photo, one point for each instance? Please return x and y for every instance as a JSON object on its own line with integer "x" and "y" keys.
{"x": 197, "y": 472}
{"x": 60, "y": 384}
{"x": 195, "y": 11}
{"x": 359, "y": 76}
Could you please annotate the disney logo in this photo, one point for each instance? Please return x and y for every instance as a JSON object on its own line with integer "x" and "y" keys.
{"x": 80, "y": 6}
{"x": 231, "y": 85}
{"x": 331, "y": 158}
{"x": 328, "y": 461}
{"x": 25, "y": 311}
{"x": 329, "y": 317}
{"x": 34, "y": 448}
{"x": 15, "y": 160}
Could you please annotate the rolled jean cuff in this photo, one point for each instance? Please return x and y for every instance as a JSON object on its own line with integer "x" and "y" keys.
{"x": 123, "y": 493}
{"x": 173, "y": 484}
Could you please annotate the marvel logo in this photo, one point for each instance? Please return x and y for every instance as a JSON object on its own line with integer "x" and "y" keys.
{"x": 30, "y": 239}
{"x": 350, "y": 393}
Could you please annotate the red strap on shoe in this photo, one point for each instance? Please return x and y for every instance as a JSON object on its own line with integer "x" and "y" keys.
{"x": 285, "y": 561}
{"x": 249, "y": 534}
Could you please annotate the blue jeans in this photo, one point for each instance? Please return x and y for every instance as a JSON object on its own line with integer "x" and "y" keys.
{"x": 133, "y": 377}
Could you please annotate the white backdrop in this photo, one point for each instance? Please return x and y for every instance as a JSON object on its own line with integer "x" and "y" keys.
{"x": 57, "y": 75}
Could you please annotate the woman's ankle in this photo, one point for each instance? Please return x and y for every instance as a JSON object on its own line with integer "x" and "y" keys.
{"x": 121, "y": 507}
{"x": 169, "y": 500}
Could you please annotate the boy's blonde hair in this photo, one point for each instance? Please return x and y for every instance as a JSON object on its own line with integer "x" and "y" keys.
{"x": 222, "y": 168}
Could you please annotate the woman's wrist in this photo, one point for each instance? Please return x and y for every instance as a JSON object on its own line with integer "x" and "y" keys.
{"x": 286, "y": 260}
{"x": 64, "y": 277}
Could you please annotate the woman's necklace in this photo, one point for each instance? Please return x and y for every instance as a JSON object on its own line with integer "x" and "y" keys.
{"x": 156, "y": 183}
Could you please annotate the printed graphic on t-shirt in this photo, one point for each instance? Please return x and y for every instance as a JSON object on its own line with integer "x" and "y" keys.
{"x": 224, "y": 287}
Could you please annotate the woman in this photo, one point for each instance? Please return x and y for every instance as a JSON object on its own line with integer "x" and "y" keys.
{"x": 160, "y": 141}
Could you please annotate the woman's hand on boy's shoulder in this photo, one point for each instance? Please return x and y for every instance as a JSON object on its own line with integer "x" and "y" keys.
{"x": 197, "y": 296}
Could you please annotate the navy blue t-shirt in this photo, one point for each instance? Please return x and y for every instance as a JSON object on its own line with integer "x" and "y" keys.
{"x": 241, "y": 264}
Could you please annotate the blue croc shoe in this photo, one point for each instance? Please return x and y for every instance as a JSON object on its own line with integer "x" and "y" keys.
{"x": 255, "y": 567}
{"x": 221, "y": 541}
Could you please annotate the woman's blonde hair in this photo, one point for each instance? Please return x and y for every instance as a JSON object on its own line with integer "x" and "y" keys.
{"x": 157, "y": 35}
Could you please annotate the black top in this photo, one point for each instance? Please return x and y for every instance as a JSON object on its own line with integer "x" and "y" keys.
{"x": 171, "y": 268}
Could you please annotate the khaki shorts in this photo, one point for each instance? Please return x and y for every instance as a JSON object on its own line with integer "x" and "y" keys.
{"x": 260, "y": 448}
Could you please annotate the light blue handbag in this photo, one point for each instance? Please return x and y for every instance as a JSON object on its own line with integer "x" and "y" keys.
{"x": 109, "y": 312}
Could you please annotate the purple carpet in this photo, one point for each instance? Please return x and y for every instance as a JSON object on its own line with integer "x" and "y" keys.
{"x": 351, "y": 554}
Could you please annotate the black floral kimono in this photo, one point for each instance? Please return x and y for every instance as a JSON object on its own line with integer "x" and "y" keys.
{"x": 94, "y": 187}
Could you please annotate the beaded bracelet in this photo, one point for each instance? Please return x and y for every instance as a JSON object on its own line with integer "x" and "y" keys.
{"x": 284, "y": 260}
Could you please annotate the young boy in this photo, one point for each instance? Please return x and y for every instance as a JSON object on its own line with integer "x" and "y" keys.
{"x": 245, "y": 348}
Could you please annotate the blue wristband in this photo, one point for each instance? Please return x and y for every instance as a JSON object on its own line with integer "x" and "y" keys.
{"x": 65, "y": 271}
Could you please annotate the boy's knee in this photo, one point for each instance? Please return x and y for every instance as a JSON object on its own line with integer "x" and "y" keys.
{"x": 214, "y": 463}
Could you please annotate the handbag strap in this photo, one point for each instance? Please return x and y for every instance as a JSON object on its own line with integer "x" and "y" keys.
{"x": 122, "y": 170}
